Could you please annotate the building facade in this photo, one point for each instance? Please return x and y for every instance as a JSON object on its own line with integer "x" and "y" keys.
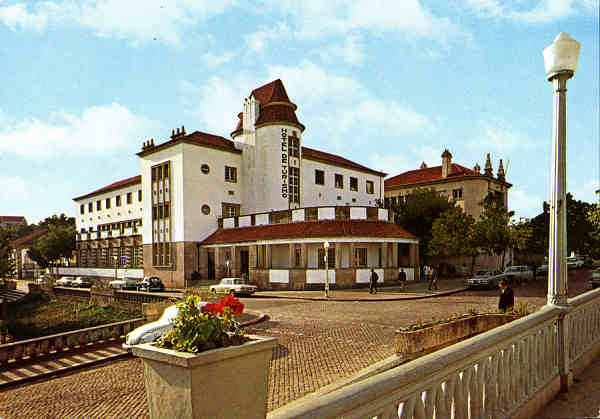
{"x": 261, "y": 205}
{"x": 10, "y": 220}
{"x": 466, "y": 187}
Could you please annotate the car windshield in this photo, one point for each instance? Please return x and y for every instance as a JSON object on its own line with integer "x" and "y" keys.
{"x": 480, "y": 274}
{"x": 571, "y": 259}
{"x": 239, "y": 281}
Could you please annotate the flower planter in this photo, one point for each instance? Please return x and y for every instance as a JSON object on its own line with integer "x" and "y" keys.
{"x": 411, "y": 344}
{"x": 226, "y": 382}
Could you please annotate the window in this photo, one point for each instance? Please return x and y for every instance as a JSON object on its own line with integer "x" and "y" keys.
{"x": 140, "y": 195}
{"x": 370, "y": 187}
{"x": 360, "y": 255}
{"x": 205, "y": 209}
{"x": 107, "y": 204}
{"x": 231, "y": 210}
{"x": 457, "y": 193}
{"x": 231, "y": 174}
{"x": 354, "y": 184}
{"x": 118, "y": 200}
{"x": 129, "y": 197}
{"x": 294, "y": 186}
{"x": 205, "y": 169}
{"x": 90, "y": 207}
{"x": 311, "y": 214}
{"x": 82, "y": 209}
{"x": 294, "y": 145}
{"x": 330, "y": 258}
{"x": 339, "y": 181}
{"x": 98, "y": 205}
{"x": 319, "y": 177}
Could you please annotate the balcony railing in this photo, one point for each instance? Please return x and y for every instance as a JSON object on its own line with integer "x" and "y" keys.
{"x": 491, "y": 375}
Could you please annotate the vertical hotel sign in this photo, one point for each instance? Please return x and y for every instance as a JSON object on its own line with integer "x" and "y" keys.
{"x": 284, "y": 163}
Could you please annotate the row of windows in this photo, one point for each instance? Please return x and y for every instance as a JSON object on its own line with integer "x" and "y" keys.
{"x": 116, "y": 226}
{"x": 160, "y": 211}
{"x": 123, "y": 257}
{"x": 108, "y": 202}
{"x": 161, "y": 254}
{"x": 457, "y": 195}
{"x": 339, "y": 182}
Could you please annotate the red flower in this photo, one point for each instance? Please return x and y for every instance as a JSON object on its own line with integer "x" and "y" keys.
{"x": 235, "y": 305}
{"x": 213, "y": 308}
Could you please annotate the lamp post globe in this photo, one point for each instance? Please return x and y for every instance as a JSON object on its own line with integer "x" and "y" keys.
{"x": 560, "y": 62}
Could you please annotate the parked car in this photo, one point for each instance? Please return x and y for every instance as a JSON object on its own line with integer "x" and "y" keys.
{"x": 65, "y": 281}
{"x": 123, "y": 283}
{"x": 485, "y": 279}
{"x": 595, "y": 278}
{"x": 81, "y": 282}
{"x": 518, "y": 274}
{"x": 233, "y": 286}
{"x": 150, "y": 283}
{"x": 573, "y": 262}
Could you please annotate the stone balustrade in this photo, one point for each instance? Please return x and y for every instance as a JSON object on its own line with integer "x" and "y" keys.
{"x": 64, "y": 342}
{"x": 506, "y": 372}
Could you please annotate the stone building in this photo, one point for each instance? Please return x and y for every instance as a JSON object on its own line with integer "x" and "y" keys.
{"x": 10, "y": 220}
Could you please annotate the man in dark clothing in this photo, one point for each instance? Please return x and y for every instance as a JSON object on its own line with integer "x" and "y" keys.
{"x": 373, "y": 282}
{"x": 402, "y": 278}
{"x": 507, "y": 297}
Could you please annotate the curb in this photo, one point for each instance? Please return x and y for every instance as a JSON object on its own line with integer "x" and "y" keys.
{"x": 359, "y": 299}
{"x": 261, "y": 317}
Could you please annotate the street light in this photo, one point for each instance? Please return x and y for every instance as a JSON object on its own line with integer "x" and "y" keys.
{"x": 228, "y": 263}
{"x": 560, "y": 61}
{"x": 326, "y": 246}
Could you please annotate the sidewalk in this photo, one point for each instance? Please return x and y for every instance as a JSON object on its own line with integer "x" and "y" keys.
{"x": 412, "y": 291}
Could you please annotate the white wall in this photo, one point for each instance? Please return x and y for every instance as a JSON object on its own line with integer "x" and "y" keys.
{"x": 317, "y": 276}
{"x": 115, "y": 214}
{"x": 313, "y": 195}
{"x": 364, "y": 275}
{"x": 207, "y": 189}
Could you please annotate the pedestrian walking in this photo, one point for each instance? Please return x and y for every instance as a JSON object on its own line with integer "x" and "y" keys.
{"x": 507, "y": 297}
{"x": 373, "y": 282}
{"x": 402, "y": 278}
{"x": 433, "y": 280}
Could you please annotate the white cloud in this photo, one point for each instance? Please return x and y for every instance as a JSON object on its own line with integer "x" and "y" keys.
{"x": 99, "y": 130}
{"x": 542, "y": 12}
{"x": 351, "y": 51}
{"x": 215, "y": 60}
{"x": 524, "y": 204}
{"x": 13, "y": 189}
{"x": 135, "y": 20}
{"x": 17, "y": 16}
{"x": 258, "y": 41}
{"x": 500, "y": 137}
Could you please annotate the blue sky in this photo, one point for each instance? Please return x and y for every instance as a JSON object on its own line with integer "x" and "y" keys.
{"x": 386, "y": 83}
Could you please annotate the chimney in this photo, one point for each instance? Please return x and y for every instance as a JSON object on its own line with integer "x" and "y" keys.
{"x": 423, "y": 166}
{"x": 501, "y": 174}
{"x": 489, "y": 171}
{"x": 446, "y": 163}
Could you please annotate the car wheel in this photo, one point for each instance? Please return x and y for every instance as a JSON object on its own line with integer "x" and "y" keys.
{"x": 213, "y": 290}
{"x": 232, "y": 293}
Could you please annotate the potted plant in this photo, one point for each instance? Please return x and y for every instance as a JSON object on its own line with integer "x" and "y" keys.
{"x": 205, "y": 367}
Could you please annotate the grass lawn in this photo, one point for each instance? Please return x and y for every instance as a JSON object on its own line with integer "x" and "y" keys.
{"x": 37, "y": 317}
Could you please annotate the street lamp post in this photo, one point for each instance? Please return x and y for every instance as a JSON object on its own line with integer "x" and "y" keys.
{"x": 560, "y": 62}
{"x": 228, "y": 263}
{"x": 326, "y": 246}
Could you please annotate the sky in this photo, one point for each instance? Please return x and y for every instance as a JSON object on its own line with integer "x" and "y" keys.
{"x": 385, "y": 83}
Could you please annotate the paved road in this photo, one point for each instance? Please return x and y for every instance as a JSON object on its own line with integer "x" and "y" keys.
{"x": 318, "y": 343}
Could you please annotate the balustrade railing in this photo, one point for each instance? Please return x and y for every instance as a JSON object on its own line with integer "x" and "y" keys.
{"x": 583, "y": 323}
{"x": 64, "y": 342}
{"x": 488, "y": 376}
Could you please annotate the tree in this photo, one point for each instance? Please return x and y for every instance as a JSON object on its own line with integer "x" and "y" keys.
{"x": 417, "y": 213}
{"x": 453, "y": 234}
{"x": 55, "y": 221}
{"x": 492, "y": 233}
{"x": 7, "y": 266}
{"x": 58, "y": 243}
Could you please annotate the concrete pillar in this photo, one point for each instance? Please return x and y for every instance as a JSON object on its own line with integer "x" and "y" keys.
{"x": 268, "y": 260}
{"x": 292, "y": 255}
{"x": 252, "y": 257}
{"x": 395, "y": 255}
{"x": 235, "y": 260}
{"x": 203, "y": 263}
{"x": 384, "y": 255}
{"x": 338, "y": 254}
{"x": 352, "y": 261}
{"x": 304, "y": 255}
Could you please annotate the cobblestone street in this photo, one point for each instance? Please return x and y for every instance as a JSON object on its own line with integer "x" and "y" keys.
{"x": 318, "y": 343}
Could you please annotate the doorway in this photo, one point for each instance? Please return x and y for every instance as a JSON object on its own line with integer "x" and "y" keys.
{"x": 211, "y": 265}
{"x": 244, "y": 265}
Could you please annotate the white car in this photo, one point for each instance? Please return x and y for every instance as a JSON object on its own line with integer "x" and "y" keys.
{"x": 485, "y": 279}
{"x": 519, "y": 273}
{"x": 65, "y": 281}
{"x": 123, "y": 283}
{"x": 81, "y": 282}
{"x": 574, "y": 263}
{"x": 233, "y": 286}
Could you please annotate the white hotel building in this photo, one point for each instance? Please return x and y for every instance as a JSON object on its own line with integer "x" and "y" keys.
{"x": 261, "y": 205}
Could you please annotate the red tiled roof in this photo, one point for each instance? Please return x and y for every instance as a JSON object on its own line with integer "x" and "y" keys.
{"x": 275, "y": 106}
{"x": 12, "y": 219}
{"x": 198, "y": 138}
{"x": 309, "y": 229}
{"x": 322, "y": 156}
{"x": 113, "y": 186}
{"x": 29, "y": 239}
{"x": 428, "y": 174}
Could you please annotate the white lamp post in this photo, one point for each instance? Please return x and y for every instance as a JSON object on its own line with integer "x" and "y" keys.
{"x": 560, "y": 60}
{"x": 228, "y": 263}
{"x": 326, "y": 246}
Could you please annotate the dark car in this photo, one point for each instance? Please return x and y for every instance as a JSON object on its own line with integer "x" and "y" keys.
{"x": 150, "y": 283}
{"x": 595, "y": 279}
